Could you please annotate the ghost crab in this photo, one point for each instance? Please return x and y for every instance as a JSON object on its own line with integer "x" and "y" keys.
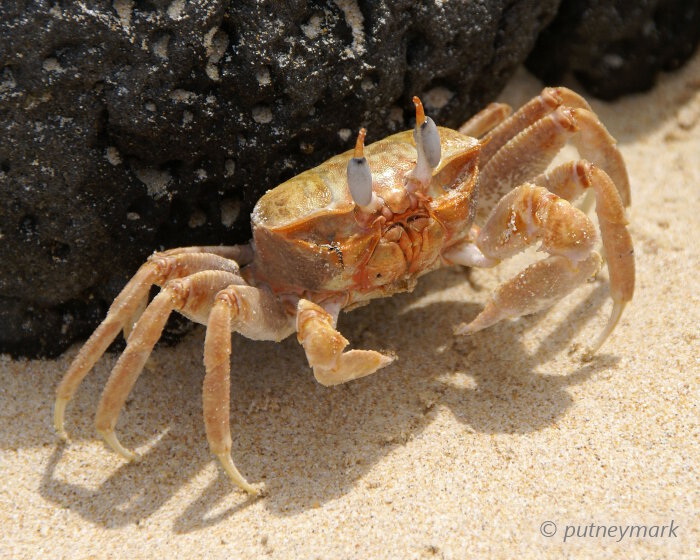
{"x": 339, "y": 235}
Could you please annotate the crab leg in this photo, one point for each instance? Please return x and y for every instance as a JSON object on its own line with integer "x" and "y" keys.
{"x": 191, "y": 295}
{"x": 569, "y": 181}
{"x": 596, "y": 145}
{"x": 486, "y": 120}
{"x": 537, "y": 287}
{"x": 124, "y": 310}
{"x": 242, "y": 254}
{"x": 524, "y": 156}
{"x": 531, "y": 151}
{"x": 324, "y": 346}
{"x": 135, "y": 316}
{"x": 256, "y": 314}
{"x": 529, "y": 214}
{"x": 546, "y": 102}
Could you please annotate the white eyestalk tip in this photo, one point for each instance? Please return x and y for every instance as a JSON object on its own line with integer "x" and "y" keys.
{"x": 359, "y": 175}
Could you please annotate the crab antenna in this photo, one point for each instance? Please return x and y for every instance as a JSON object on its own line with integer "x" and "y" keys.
{"x": 360, "y": 144}
{"x": 427, "y": 139}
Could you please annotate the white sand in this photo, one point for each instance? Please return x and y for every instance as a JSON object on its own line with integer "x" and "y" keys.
{"x": 463, "y": 448}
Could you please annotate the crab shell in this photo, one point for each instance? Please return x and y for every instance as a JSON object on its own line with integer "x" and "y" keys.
{"x": 310, "y": 238}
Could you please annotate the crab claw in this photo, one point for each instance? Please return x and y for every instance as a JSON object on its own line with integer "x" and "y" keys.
{"x": 428, "y": 147}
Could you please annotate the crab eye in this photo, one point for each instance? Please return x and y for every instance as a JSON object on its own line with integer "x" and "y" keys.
{"x": 428, "y": 147}
{"x": 359, "y": 175}
{"x": 360, "y": 181}
{"x": 430, "y": 139}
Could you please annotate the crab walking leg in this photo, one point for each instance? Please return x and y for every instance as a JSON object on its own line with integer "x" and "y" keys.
{"x": 527, "y": 154}
{"x": 324, "y": 346}
{"x": 569, "y": 181}
{"x": 242, "y": 254}
{"x": 596, "y": 145}
{"x": 546, "y": 102}
{"x": 486, "y": 120}
{"x": 120, "y": 312}
{"x": 135, "y": 316}
{"x": 256, "y": 314}
{"x": 532, "y": 150}
{"x": 158, "y": 270}
{"x": 537, "y": 287}
{"x": 191, "y": 295}
{"x": 523, "y": 217}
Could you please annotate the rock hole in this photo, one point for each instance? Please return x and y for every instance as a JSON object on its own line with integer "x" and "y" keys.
{"x": 180, "y": 212}
{"x": 230, "y": 209}
{"x": 59, "y": 251}
{"x": 142, "y": 207}
{"x": 374, "y": 77}
{"x": 417, "y": 51}
{"x": 437, "y": 95}
{"x": 262, "y": 114}
{"x": 28, "y": 227}
{"x": 198, "y": 218}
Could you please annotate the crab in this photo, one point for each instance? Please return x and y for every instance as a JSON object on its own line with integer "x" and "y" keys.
{"x": 366, "y": 224}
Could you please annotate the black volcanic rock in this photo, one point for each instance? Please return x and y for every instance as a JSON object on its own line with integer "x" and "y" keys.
{"x": 619, "y": 46}
{"x": 134, "y": 126}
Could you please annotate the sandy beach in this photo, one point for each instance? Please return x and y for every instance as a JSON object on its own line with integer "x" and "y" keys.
{"x": 465, "y": 447}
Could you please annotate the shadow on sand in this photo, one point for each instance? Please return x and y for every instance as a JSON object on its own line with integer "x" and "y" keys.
{"x": 320, "y": 442}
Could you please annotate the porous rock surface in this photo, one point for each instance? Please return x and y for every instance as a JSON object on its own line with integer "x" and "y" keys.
{"x": 616, "y": 47}
{"x": 133, "y": 126}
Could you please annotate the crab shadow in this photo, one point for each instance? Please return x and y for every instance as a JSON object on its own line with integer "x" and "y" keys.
{"x": 318, "y": 443}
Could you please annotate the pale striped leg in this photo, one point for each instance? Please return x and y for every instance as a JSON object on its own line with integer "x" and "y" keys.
{"x": 242, "y": 254}
{"x": 158, "y": 270}
{"x": 532, "y": 150}
{"x": 136, "y": 315}
{"x": 486, "y": 120}
{"x": 255, "y": 313}
{"x": 595, "y": 144}
{"x": 192, "y": 295}
{"x": 549, "y": 99}
{"x": 523, "y": 157}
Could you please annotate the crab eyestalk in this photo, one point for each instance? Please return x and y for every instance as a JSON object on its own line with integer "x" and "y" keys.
{"x": 360, "y": 177}
{"x": 427, "y": 140}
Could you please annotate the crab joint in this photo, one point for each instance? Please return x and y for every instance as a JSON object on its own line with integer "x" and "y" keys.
{"x": 360, "y": 177}
{"x": 427, "y": 140}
